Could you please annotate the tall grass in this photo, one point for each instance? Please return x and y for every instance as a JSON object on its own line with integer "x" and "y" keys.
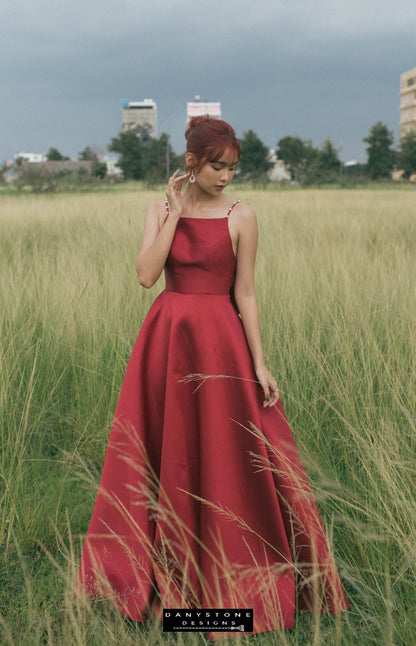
{"x": 336, "y": 289}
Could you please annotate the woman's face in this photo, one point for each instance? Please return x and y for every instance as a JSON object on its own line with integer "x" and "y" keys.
{"x": 214, "y": 176}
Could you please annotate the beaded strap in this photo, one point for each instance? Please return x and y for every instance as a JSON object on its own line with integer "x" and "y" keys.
{"x": 231, "y": 208}
{"x": 227, "y": 216}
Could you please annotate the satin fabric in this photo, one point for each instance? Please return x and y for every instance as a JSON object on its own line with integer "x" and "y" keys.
{"x": 203, "y": 500}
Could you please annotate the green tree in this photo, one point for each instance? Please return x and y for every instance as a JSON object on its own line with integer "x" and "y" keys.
{"x": 98, "y": 169}
{"x": 380, "y": 155}
{"x": 130, "y": 149}
{"x": 324, "y": 165}
{"x": 2, "y": 171}
{"x": 159, "y": 160}
{"x": 328, "y": 157}
{"x": 88, "y": 154}
{"x": 254, "y": 162}
{"x": 54, "y": 155}
{"x": 407, "y": 154}
{"x": 296, "y": 154}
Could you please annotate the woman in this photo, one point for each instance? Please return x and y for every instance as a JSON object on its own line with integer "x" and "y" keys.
{"x": 203, "y": 500}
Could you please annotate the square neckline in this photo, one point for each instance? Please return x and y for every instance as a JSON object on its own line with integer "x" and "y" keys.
{"x": 222, "y": 217}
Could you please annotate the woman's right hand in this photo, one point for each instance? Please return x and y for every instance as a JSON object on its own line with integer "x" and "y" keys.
{"x": 173, "y": 193}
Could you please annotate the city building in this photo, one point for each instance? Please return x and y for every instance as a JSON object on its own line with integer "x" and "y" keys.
{"x": 196, "y": 108}
{"x": 140, "y": 117}
{"x": 408, "y": 101}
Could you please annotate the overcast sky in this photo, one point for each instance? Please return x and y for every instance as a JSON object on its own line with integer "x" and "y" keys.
{"x": 313, "y": 68}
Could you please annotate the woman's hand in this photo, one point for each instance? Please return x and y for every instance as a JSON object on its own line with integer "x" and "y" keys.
{"x": 269, "y": 385}
{"x": 173, "y": 193}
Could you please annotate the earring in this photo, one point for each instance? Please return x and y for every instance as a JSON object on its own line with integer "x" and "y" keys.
{"x": 192, "y": 177}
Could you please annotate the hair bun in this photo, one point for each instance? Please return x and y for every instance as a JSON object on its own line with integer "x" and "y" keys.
{"x": 208, "y": 138}
{"x": 194, "y": 122}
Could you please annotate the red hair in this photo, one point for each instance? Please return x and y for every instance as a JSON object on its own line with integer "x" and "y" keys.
{"x": 208, "y": 139}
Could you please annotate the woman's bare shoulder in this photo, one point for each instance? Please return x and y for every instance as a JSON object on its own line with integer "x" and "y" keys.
{"x": 155, "y": 208}
{"x": 156, "y": 212}
{"x": 245, "y": 210}
{"x": 245, "y": 215}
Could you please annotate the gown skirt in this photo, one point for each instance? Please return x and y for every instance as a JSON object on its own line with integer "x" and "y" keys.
{"x": 203, "y": 500}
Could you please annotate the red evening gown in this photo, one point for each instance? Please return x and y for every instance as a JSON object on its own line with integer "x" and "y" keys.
{"x": 203, "y": 500}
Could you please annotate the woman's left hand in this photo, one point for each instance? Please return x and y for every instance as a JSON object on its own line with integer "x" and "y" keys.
{"x": 173, "y": 192}
{"x": 269, "y": 385}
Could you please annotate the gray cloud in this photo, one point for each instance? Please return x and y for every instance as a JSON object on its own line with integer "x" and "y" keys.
{"x": 317, "y": 69}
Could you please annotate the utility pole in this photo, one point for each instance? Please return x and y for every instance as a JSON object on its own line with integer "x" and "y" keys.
{"x": 167, "y": 158}
{"x": 341, "y": 165}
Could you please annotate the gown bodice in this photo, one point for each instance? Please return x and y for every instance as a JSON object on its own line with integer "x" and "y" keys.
{"x": 201, "y": 258}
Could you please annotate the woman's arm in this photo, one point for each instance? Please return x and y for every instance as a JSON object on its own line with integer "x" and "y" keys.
{"x": 156, "y": 243}
{"x": 158, "y": 233}
{"x": 245, "y": 296}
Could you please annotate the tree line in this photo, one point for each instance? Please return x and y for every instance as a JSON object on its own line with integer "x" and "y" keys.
{"x": 310, "y": 165}
{"x": 154, "y": 160}
{"x": 151, "y": 159}
{"x": 305, "y": 163}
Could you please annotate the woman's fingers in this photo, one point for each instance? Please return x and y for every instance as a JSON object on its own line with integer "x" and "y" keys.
{"x": 267, "y": 398}
{"x": 271, "y": 394}
{"x": 181, "y": 178}
{"x": 175, "y": 183}
{"x": 269, "y": 386}
{"x": 173, "y": 192}
{"x": 266, "y": 395}
{"x": 274, "y": 397}
{"x": 176, "y": 178}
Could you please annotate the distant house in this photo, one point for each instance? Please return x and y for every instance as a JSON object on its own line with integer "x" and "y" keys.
{"x": 278, "y": 172}
{"x": 111, "y": 162}
{"x": 34, "y": 158}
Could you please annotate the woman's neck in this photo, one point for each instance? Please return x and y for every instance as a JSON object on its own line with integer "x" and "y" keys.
{"x": 194, "y": 199}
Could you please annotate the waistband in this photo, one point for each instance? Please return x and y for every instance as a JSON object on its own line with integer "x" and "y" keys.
{"x": 188, "y": 293}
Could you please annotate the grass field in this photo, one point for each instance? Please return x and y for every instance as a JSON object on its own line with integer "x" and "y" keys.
{"x": 337, "y": 295}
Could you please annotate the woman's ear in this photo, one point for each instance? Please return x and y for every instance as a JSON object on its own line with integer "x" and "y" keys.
{"x": 190, "y": 160}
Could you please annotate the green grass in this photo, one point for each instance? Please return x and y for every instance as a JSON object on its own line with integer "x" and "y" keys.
{"x": 337, "y": 296}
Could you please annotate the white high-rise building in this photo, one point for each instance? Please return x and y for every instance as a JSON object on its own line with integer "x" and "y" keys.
{"x": 196, "y": 108}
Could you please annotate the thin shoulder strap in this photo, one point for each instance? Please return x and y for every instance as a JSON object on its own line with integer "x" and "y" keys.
{"x": 231, "y": 208}
{"x": 167, "y": 210}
